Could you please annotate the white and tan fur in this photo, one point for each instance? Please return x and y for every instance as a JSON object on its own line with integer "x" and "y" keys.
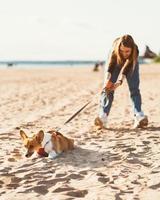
{"x": 51, "y": 143}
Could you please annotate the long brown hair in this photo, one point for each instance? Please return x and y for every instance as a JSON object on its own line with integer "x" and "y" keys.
{"x": 116, "y": 56}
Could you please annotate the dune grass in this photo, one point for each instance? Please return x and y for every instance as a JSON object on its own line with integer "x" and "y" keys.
{"x": 157, "y": 59}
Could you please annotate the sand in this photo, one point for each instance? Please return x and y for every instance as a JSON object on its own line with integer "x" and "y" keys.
{"x": 117, "y": 163}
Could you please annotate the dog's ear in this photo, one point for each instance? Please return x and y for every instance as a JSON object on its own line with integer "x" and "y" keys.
{"x": 23, "y": 135}
{"x": 40, "y": 136}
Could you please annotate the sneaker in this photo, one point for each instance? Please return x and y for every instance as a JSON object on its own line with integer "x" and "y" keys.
{"x": 100, "y": 123}
{"x": 140, "y": 121}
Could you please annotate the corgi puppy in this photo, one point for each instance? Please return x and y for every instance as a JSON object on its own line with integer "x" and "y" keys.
{"x": 48, "y": 144}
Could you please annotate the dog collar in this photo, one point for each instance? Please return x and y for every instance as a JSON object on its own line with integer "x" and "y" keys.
{"x": 41, "y": 152}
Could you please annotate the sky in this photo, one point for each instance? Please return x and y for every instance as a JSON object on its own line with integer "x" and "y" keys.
{"x": 74, "y": 29}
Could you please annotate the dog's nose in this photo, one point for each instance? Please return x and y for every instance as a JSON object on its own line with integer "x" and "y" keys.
{"x": 27, "y": 155}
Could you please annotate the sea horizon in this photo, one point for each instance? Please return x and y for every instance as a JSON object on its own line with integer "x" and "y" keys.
{"x": 21, "y": 63}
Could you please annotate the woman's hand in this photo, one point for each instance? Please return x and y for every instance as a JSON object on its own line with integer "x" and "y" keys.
{"x": 110, "y": 86}
{"x": 117, "y": 84}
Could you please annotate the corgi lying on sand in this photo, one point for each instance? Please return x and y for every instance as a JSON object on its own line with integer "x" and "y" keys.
{"x": 49, "y": 144}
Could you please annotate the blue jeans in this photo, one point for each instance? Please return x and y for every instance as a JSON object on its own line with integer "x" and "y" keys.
{"x": 133, "y": 84}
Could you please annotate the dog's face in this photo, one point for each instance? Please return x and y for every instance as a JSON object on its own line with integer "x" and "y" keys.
{"x": 33, "y": 143}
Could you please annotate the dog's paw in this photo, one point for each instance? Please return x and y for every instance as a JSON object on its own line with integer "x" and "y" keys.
{"x": 52, "y": 155}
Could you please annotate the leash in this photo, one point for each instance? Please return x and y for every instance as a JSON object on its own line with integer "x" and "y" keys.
{"x": 84, "y": 106}
{"x": 77, "y": 112}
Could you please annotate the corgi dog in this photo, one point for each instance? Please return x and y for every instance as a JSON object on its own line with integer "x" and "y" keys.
{"x": 49, "y": 144}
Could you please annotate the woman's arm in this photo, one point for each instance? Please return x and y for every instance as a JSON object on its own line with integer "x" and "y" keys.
{"x": 110, "y": 69}
{"x": 106, "y": 78}
{"x": 122, "y": 74}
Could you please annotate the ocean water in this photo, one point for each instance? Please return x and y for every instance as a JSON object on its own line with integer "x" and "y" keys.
{"x": 41, "y": 64}
{"x": 49, "y": 64}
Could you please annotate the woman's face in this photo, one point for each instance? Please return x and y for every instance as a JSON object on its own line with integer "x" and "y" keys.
{"x": 125, "y": 51}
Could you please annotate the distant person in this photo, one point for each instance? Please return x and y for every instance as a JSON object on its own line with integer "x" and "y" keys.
{"x": 97, "y": 65}
{"x": 10, "y": 64}
{"x": 123, "y": 63}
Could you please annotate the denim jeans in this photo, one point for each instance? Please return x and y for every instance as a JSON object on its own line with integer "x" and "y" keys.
{"x": 133, "y": 84}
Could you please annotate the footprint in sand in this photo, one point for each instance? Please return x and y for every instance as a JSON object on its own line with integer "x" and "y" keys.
{"x": 1, "y": 183}
{"x": 54, "y": 181}
{"x": 155, "y": 187}
{"x": 16, "y": 153}
{"x": 5, "y": 170}
{"x": 117, "y": 197}
{"x": 83, "y": 172}
{"x": 11, "y": 159}
{"x": 41, "y": 190}
{"x": 60, "y": 175}
{"x": 129, "y": 149}
{"x": 135, "y": 182}
{"x": 11, "y": 182}
{"x": 63, "y": 189}
{"x": 77, "y": 193}
{"x": 102, "y": 178}
{"x": 75, "y": 176}
{"x": 12, "y": 186}
{"x": 138, "y": 161}
{"x": 146, "y": 142}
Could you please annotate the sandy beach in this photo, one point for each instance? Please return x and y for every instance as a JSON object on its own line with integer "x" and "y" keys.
{"x": 119, "y": 163}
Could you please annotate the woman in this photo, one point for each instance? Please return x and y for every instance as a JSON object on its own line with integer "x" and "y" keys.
{"x": 123, "y": 63}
